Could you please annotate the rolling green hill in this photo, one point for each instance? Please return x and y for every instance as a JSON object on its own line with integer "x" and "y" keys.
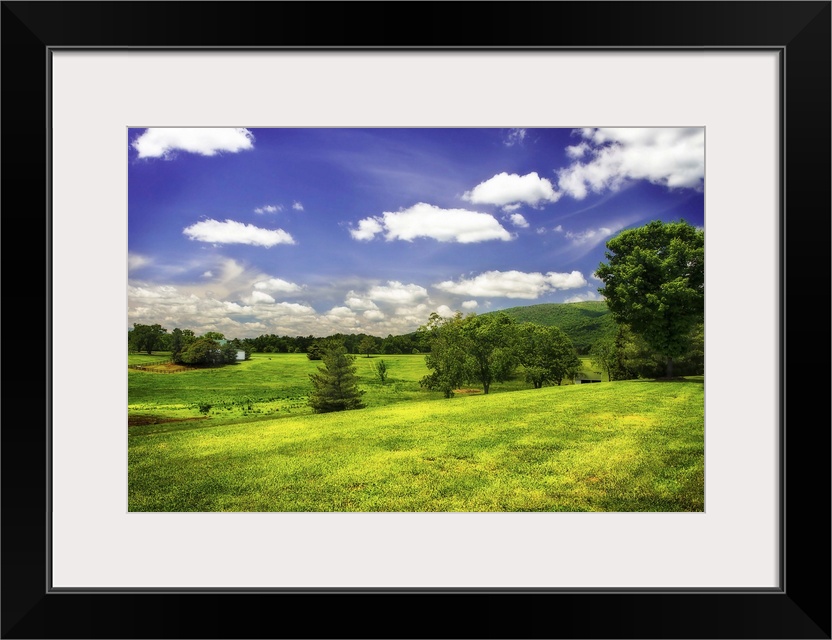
{"x": 583, "y": 322}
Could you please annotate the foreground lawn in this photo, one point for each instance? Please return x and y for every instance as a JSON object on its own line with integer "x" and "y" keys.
{"x": 622, "y": 446}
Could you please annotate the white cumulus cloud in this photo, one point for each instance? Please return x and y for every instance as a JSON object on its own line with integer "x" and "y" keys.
{"x": 671, "y": 157}
{"x": 513, "y": 284}
{"x": 258, "y": 297}
{"x": 297, "y": 206}
{"x": 577, "y": 151}
{"x": 295, "y": 309}
{"x": 418, "y": 311}
{"x": 470, "y": 304}
{"x": 341, "y": 312}
{"x": 397, "y": 293}
{"x": 269, "y": 208}
{"x": 367, "y": 229}
{"x": 506, "y": 189}
{"x": 357, "y": 302}
{"x": 162, "y": 142}
{"x": 277, "y": 285}
{"x": 584, "y": 297}
{"x": 232, "y": 232}
{"x": 518, "y": 220}
{"x": 427, "y": 221}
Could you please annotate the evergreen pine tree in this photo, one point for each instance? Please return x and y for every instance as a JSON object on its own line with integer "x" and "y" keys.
{"x": 335, "y": 386}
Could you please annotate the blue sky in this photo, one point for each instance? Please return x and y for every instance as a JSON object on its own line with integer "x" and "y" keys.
{"x": 315, "y": 231}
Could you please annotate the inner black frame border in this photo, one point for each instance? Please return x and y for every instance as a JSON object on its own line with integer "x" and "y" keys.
{"x": 798, "y": 31}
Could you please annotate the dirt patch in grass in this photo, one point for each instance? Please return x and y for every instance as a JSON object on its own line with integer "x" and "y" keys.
{"x": 163, "y": 367}
{"x": 139, "y": 421}
{"x": 468, "y": 391}
{"x": 170, "y": 366}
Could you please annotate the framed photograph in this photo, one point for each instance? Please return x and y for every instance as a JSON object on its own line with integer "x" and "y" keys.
{"x": 113, "y": 106}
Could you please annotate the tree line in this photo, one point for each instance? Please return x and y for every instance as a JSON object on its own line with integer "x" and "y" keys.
{"x": 149, "y": 338}
{"x": 209, "y": 349}
{"x": 483, "y": 349}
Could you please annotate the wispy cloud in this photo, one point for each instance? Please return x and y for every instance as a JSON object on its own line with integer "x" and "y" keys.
{"x": 591, "y": 236}
{"x": 514, "y": 136}
{"x": 269, "y": 208}
{"x": 163, "y": 142}
{"x": 136, "y": 261}
{"x": 232, "y": 232}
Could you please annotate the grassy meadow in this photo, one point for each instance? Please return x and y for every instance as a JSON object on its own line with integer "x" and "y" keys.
{"x": 241, "y": 438}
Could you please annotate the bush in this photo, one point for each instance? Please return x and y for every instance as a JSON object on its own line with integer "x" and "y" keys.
{"x": 202, "y": 351}
{"x": 380, "y": 368}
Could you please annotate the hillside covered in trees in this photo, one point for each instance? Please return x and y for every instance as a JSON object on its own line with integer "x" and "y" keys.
{"x": 583, "y": 322}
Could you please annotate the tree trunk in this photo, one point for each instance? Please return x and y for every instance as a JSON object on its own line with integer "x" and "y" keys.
{"x": 669, "y": 373}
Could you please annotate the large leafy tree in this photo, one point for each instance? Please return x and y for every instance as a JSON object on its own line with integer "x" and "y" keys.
{"x": 367, "y": 346}
{"x": 180, "y": 339}
{"x": 447, "y": 357}
{"x": 146, "y": 337}
{"x": 547, "y": 354}
{"x": 626, "y": 356}
{"x": 335, "y": 385}
{"x": 468, "y": 349}
{"x": 490, "y": 342}
{"x": 654, "y": 282}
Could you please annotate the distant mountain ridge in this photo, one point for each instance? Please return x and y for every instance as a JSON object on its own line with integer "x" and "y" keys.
{"x": 583, "y": 322}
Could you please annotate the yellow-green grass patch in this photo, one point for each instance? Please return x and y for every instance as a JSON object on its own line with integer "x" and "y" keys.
{"x": 624, "y": 446}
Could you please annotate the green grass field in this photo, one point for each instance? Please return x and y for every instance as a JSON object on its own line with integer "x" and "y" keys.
{"x": 622, "y": 446}
{"x": 143, "y": 358}
{"x": 267, "y": 386}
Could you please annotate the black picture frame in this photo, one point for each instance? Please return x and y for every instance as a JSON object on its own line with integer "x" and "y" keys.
{"x": 799, "y": 31}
